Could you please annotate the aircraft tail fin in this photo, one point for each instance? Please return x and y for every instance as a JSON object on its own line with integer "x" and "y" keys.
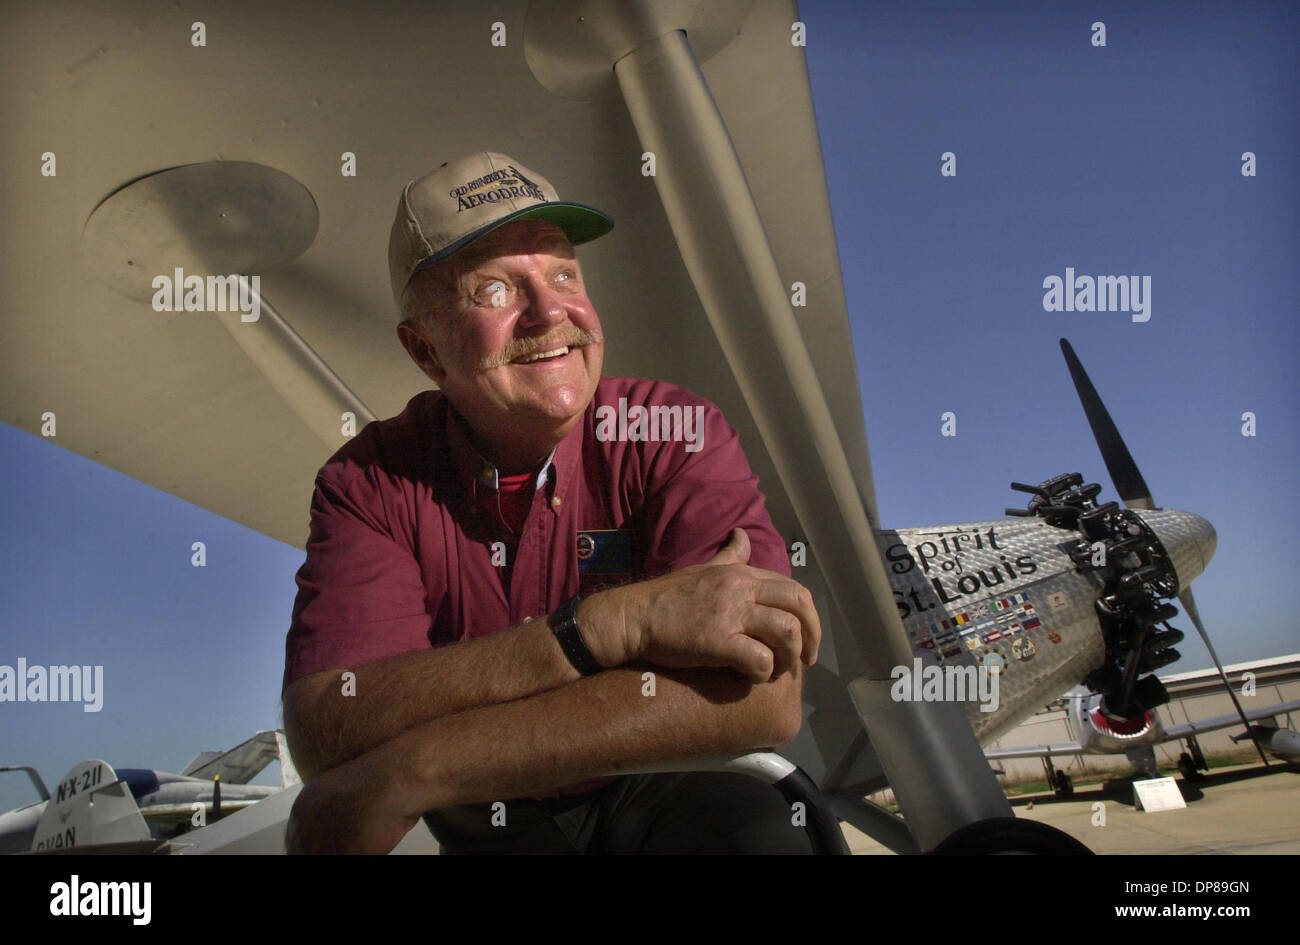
{"x": 246, "y": 760}
{"x": 288, "y": 771}
{"x": 240, "y": 764}
{"x": 90, "y": 807}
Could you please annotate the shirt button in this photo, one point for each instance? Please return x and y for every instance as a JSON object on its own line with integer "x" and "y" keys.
{"x": 555, "y": 501}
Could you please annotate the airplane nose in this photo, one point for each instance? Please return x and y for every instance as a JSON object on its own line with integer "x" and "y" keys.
{"x": 1189, "y": 541}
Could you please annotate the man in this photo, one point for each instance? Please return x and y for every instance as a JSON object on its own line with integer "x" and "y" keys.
{"x": 589, "y": 557}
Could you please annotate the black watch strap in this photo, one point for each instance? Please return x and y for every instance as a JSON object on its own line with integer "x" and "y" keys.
{"x": 564, "y": 624}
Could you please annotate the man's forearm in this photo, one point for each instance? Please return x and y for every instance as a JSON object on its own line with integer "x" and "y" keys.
{"x": 600, "y": 725}
{"x": 717, "y": 615}
{"x": 329, "y": 723}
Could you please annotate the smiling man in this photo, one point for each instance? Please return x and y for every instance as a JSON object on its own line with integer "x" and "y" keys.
{"x": 508, "y": 598}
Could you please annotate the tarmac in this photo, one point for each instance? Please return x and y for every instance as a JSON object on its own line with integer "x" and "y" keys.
{"x": 1235, "y": 810}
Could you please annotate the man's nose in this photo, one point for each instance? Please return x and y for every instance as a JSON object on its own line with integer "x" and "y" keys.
{"x": 545, "y": 305}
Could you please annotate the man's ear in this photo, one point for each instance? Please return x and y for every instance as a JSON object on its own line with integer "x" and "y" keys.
{"x": 415, "y": 339}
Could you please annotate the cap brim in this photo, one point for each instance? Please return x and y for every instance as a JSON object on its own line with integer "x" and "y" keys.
{"x": 580, "y": 224}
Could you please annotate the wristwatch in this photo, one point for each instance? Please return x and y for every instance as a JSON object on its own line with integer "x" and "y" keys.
{"x": 564, "y": 624}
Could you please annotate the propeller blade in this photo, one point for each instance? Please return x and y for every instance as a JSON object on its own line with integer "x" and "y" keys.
{"x": 1189, "y": 608}
{"x": 1133, "y": 489}
{"x": 1129, "y": 483}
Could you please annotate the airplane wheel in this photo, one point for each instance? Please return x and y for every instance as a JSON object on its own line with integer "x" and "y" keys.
{"x": 1064, "y": 785}
{"x": 1187, "y": 767}
{"x": 1010, "y": 835}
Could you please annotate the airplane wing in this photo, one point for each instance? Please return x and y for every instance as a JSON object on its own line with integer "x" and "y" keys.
{"x": 1034, "y": 751}
{"x": 1228, "y": 721}
{"x": 182, "y": 814}
{"x": 1173, "y": 733}
{"x": 208, "y": 426}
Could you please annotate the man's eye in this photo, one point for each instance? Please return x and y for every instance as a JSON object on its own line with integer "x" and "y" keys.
{"x": 493, "y": 293}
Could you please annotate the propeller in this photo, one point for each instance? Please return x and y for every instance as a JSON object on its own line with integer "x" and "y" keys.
{"x": 1130, "y": 485}
{"x": 1133, "y": 489}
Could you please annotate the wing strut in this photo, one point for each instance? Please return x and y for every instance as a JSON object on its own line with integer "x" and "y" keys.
{"x": 933, "y": 761}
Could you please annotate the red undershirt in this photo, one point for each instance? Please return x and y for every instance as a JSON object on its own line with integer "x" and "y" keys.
{"x": 515, "y": 495}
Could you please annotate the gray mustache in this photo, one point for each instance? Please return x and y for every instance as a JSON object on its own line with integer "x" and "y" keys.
{"x": 520, "y": 347}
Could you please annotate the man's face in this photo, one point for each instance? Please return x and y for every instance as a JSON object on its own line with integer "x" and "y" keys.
{"x": 510, "y": 335}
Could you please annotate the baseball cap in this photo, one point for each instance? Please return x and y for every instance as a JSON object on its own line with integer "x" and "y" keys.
{"x": 447, "y": 209}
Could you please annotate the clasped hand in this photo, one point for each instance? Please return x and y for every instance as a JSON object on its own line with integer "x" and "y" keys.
{"x": 723, "y": 613}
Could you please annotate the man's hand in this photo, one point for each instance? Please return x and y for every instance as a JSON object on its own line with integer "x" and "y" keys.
{"x": 349, "y": 809}
{"x": 721, "y": 613}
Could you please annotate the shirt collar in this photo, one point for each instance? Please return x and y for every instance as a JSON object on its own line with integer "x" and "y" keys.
{"x": 475, "y": 473}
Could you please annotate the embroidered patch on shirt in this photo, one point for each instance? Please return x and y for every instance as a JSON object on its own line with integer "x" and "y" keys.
{"x": 605, "y": 551}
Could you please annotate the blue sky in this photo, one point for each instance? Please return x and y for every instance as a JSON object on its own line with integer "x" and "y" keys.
{"x": 97, "y": 571}
{"x": 1116, "y": 160}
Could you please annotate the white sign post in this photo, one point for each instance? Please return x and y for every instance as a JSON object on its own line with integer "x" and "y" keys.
{"x": 1157, "y": 794}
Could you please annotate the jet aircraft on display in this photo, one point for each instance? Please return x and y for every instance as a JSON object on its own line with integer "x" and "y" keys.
{"x": 98, "y": 809}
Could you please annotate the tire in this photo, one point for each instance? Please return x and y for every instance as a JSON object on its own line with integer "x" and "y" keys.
{"x": 1010, "y": 835}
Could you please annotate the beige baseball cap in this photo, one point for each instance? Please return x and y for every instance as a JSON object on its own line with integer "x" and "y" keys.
{"x": 444, "y": 211}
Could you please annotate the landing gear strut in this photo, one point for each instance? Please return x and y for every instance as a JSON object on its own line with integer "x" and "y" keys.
{"x": 1060, "y": 782}
{"x": 1191, "y": 762}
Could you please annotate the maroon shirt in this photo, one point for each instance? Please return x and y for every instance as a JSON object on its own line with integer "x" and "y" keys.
{"x": 405, "y": 518}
